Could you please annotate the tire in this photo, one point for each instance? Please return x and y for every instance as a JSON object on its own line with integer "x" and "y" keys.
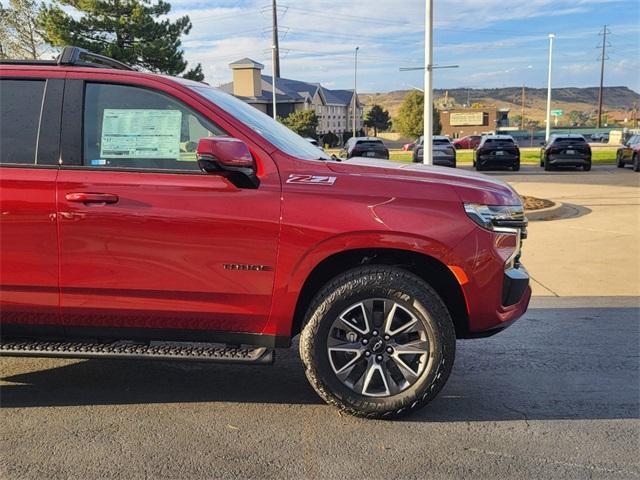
{"x": 547, "y": 166}
{"x": 586, "y": 167}
{"x": 516, "y": 167}
{"x": 636, "y": 163}
{"x": 619, "y": 160}
{"x": 415, "y": 300}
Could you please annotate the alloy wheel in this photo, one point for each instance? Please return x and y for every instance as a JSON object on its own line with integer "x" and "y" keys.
{"x": 379, "y": 348}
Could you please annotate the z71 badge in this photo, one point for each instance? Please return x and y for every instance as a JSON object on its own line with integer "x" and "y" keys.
{"x": 311, "y": 179}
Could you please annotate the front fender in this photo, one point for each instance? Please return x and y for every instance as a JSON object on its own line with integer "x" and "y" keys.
{"x": 290, "y": 282}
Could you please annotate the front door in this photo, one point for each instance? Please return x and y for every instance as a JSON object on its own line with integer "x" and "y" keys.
{"x": 151, "y": 246}
{"x": 29, "y": 137}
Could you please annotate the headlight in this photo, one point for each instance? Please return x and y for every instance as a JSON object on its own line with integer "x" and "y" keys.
{"x": 498, "y": 218}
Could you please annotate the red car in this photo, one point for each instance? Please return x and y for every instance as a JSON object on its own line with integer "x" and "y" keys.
{"x": 145, "y": 216}
{"x": 468, "y": 142}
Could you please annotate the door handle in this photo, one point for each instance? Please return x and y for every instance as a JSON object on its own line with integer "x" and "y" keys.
{"x": 83, "y": 197}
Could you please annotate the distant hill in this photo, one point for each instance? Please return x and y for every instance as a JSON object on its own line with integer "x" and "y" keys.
{"x": 582, "y": 99}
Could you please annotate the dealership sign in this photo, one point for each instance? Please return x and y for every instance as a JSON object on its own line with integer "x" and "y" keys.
{"x": 460, "y": 119}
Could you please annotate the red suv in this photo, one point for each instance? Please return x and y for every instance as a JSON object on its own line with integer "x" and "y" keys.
{"x": 144, "y": 216}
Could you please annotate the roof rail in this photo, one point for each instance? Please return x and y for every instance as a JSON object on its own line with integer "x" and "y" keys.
{"x": 84, "y": 58}
{"x": 76, "y": 56}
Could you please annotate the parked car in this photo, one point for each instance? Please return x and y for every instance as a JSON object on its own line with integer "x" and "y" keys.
{"x": 600, "y": 137}
{"x": 364, "y": 147}
{"x": 444, "y": 153}
{"x": 120, "y": 241}
{"x": 566, "y": 150}
{"x": 408, "y": 147}
{"x": 497, "y": 151}
{"x": 468, "y": 142}
{"x": 629, "y": 153}
{"x": 314, "y": 142}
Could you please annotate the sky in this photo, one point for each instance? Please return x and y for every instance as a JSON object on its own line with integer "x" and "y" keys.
{"x": 495, "y": 43}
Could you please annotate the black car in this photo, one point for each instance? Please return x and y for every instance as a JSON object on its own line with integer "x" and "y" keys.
{"x": 365, "y": 147}
{"x": 566, "y": 150}
{"x": 497, "y": 151}
{"x": 443, "y": 151}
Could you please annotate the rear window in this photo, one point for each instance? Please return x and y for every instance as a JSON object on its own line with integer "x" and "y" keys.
{"x": 369, "y": 143}
{"x": 498, "y": 141}
{"x": 567, "y": 140}
{"x": 440, "y": 141}
{"x": 21, "y": 102}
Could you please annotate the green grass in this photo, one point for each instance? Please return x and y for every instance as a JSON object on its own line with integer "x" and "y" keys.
{"x": 530, "y": 156}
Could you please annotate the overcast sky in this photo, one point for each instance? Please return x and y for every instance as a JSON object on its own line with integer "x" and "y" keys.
{"x": 496, "y": 43}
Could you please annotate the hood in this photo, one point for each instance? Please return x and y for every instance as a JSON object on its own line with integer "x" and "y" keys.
{"x": 470, "y": 186}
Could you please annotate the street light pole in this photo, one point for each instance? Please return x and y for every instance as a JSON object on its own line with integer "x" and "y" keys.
{"x": 548, "y": 130}
{"x": 355, "y": 86}
{"x": 427, "y": 134}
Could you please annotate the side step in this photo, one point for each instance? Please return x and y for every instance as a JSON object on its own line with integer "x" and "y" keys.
{"x": 209, "y": 352}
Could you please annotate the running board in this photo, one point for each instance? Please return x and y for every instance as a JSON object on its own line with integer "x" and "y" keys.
{"x": 195, "y": 351}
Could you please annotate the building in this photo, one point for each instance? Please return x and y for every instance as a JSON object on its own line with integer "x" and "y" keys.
{"x": 334, "y": 108}
{"x": 459, "y": 122}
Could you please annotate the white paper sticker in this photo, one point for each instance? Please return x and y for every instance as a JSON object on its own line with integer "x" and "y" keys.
{"x": 139, "y": 133}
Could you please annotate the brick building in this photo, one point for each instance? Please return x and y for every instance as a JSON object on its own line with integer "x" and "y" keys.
{"x": 459, "y": 122}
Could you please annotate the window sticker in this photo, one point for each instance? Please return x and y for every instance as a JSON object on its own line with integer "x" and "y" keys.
{"x": 138, "y": 133}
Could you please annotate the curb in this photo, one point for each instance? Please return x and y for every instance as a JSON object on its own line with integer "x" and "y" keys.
{"x": 543, "y": 213}
{"x": 559, "y": 211}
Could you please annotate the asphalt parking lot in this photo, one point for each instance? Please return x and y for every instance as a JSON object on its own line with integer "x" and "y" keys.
{"x": 555, "y": 396}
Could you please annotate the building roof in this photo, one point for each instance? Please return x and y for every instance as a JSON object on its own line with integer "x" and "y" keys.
{"x": 246, "y": 62}
{"x": 293, "y": 91}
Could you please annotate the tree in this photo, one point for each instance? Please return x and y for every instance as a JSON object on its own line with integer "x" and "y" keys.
{"x": 21, "y": 36}
{"x": 437, "y": 125}
{"x": 303, "y": 122}
{"x": 136, "y": 32}
{"x": 411, "y": 114}
{"x": 195, "y": 74}
{"x": 330, "y": 139}
{"x": 377, "y": 118}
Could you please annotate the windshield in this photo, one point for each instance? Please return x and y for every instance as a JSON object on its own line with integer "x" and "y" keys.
{"x": 265, "y": 126}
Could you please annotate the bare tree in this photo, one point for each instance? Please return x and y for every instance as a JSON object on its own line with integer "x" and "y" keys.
{"x": 21, "y": 35}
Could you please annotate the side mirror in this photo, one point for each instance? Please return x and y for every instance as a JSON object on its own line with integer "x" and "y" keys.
{"x": 229, "y": 157}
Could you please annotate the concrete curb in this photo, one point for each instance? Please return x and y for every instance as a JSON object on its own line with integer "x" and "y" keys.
{"x": 559, "y": 211}
{"x": 543, "y": 213}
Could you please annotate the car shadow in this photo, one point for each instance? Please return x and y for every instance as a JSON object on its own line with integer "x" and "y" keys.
{"x": 534, "y": 370}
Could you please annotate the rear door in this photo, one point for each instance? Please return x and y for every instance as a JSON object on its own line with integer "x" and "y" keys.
{"x": 29, "y": 153}
{"x": 151, "y": 246}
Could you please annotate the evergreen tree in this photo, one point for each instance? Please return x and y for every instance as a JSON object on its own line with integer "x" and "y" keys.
{"x": 135, "y": 32}
{"x": 377, "y": 118}
{"x": 21, "y": 36}
{"x": 303, "y": 122}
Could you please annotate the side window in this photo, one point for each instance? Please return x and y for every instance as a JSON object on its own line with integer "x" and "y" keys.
{"x": 132, "y": 127}
{"x": 20, "y": 107}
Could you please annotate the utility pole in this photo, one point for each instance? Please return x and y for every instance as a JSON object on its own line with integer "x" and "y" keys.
{"x": 522, "y": 112}
{"x": 603, "y": 57}
{"x": 276, "y": 49}
{"x": 427, "y": 134}
{"x": 355, "y": 87}
{"x": 275, "y": 60}
{"x": 548, "y": 127}
{"x": 635, "y": 114}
